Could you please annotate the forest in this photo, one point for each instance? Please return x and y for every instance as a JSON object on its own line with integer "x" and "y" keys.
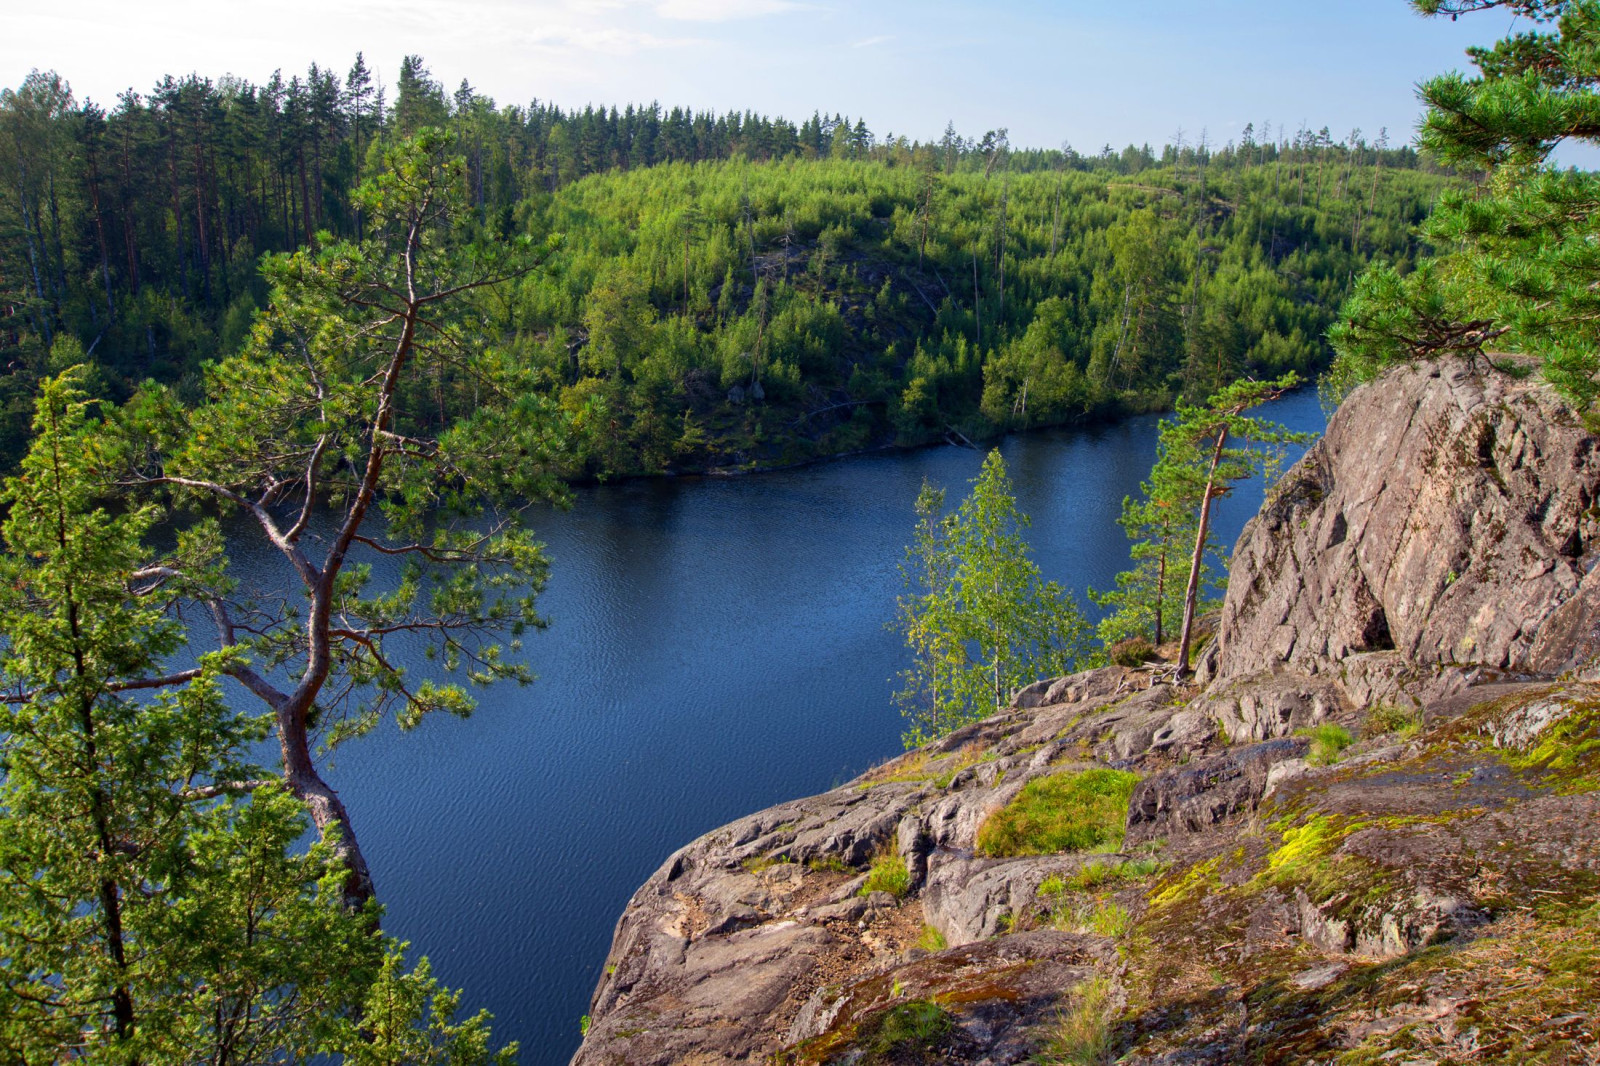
{"x": 305, "y": 319}
{"x": 720, "y": 291}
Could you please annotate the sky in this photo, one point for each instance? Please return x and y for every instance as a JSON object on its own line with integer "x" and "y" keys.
{"x": 1051, "y": 72}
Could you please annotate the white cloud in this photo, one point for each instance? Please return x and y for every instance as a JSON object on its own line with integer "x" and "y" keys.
{"x": 871, "y": 42}
{"x": 721, "y": 10}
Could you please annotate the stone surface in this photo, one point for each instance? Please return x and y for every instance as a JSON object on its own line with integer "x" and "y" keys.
{"x": 1202, "y": 795}
{"x": 1444, "y": 515}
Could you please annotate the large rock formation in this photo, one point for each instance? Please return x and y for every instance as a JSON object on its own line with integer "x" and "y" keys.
{"x": 1422, "y": 580}
{"x": 1446, "y": 517}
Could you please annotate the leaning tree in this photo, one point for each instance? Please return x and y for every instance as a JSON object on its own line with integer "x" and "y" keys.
{"x": 366, "y": 419}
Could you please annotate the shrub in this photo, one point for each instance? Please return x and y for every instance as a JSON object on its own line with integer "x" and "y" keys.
{"x": 1328, "y": 742}
{"x": 1081, "y": 1034}
{"x": 1134, "y": 652}
{"x": 1063, "y": 812}
{"x": 1388, "y": 718}
{"x": 888, "y": 874}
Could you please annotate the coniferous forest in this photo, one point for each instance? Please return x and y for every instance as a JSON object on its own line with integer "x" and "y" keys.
{"x": 358, "y": 335}
{"x": 718, "y": 290}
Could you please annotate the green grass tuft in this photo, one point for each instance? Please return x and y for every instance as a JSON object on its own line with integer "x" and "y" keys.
{"x": 1081, "y": 1034}
{"x": 1328, "y": 742}
{"x": 888, "y": 874}
{"x": 909, "y": 1029}
{"x": 1385, "y": 718}
{"x": 1083, "y": 811}
{"x": 931, "y": 939}
{"x": 828, "y": 864}
{"x": 1096, "y": 874}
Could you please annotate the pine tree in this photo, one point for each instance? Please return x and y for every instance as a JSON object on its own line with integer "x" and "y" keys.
{"x": 1148, "y": 599}
{"x": 1216, "y": 438}
{"x": 1520, "y": 272}
{"x": 363, "y": 399}
{"x": 151, "y": 908}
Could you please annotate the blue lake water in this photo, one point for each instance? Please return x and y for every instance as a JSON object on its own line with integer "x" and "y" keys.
{"x": 717, "y": 645}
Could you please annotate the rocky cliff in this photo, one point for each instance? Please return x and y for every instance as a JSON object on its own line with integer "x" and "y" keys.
{"x": 1371, "y": 833}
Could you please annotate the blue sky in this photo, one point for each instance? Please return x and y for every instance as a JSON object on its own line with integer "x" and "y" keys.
{"x": 1088, "y": 73}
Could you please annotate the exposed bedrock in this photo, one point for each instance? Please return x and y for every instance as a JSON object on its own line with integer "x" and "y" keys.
{"x": 1445, "y": 516}
{"x": 1423, "y": 580}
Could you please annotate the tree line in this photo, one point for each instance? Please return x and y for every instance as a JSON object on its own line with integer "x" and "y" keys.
{"x": 132, "y": 233}
{"x": 742, "y": 314}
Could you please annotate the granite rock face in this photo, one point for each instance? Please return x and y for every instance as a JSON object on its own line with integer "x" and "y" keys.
{"x": 1424, "y": 579}
{"x": 1446, "y": 516}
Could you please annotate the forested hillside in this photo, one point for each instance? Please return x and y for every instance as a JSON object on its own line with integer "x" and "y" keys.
{"x": 728, "y": 289}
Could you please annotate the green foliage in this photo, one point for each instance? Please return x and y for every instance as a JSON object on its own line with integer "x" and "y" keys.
{"x": 1147, "y": 603}
{"x": 931, "y": 939}
{"x": 892, "y": 290}
{"x": 160, "y": 904}
{"x": 152, "y": 908}
{"x": 978, "y": 619}
{"x": 1081, "y": 1033}
{"x": 888, "y": 874}
{"x": 1110, "y": 920}
{"x": 1081, "y": 811}
{"x": 1203, "y": 452}
{"x": 1328, "y": 742}
{"x": 1095, "y": 874}
{"x": 366, "y": 418}
{"x": 406, "y": 1018}
{"x": 1516, "y": 270}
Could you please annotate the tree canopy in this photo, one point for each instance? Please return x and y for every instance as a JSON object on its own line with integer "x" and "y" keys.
{"x": 734, "y": 289}
{"x": 1517, "y": 271}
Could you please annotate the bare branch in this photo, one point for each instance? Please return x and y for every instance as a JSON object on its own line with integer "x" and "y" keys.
{"x": 224, "y": 788}
{"x": 308, "y": 573}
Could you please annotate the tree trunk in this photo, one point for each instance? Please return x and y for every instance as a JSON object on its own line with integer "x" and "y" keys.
{"x": 1161, "y": 581}
{"x": 100, "y": 233}
{"x": 327, "y": 811}
{"x": 977, "y": 310}
{"x": 1192, "y": 592}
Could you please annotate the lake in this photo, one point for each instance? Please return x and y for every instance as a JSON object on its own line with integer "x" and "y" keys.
{"x": 717, "y": 645}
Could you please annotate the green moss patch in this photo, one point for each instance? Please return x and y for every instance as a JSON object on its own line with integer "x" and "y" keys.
{"x": 1083, "y": 811}
{"x": 909, "y": 1030}
{"x": 1567, "y": 755}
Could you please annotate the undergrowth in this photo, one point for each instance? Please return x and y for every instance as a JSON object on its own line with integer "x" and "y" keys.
{"x": 888, "y": 874}
{"x": 1081, "y": 1032}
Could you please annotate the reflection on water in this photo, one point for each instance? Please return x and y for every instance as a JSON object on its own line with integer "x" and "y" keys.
{"x": 717, "y": 646}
